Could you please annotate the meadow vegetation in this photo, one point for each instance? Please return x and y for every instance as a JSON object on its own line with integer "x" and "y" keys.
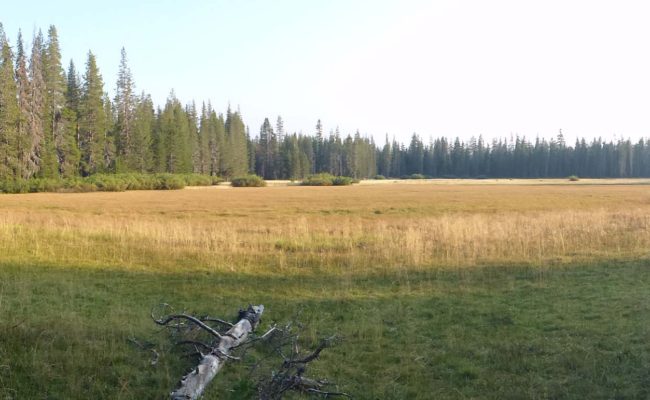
{"x": 107, "y": 183}
{"x": 248, "y": 181}
{"x": 439, "y": 291}
{"x": 325, "y": 179}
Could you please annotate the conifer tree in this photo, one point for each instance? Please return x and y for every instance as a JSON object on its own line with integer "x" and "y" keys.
{"x": 174, "y": 148}
{"x": 125, "y": 104}
{"x": 9, "y": 112}
{"x": 267, "y": 151}
{"x": 73, "y": 90}
{"x": 236, "y": 156}
{"x": 193, "y": 136}
{"x": 37, "y": 110}
{"x": 158, "y": 143}
{"x": 23, "y": 135}
{"x": 109, "y": 152}
{"x": 217, "y": 142}
{"x": 203, "y": 142}
{"x": 141, "y": 139}
{"x": 92, "y": 119}
{"x": 54, "y": 129}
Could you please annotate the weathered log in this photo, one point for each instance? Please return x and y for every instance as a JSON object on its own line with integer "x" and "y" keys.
{"x": 194, "y": 383}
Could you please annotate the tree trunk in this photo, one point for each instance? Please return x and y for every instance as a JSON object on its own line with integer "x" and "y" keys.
{"x": 193, "y": 384}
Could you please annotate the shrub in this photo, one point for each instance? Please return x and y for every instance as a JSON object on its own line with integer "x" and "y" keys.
{"x": 45, "y": 185}
{"x": 322, "y": 179}
{"x": 325, "y": 179}
{"x": 78, "y": 185}
{"x": 417, "y": 176}
{"x": 14, "y": 186}
{"x": 168, "y": 182}
{"x": 343, "y": 181}
{"x": 574, "y": 178}
{"x": 379, "y": 177}
{"x": 200, "y": 180}
{"x": 109, "y": 183}
{"x": 248, "y": 181}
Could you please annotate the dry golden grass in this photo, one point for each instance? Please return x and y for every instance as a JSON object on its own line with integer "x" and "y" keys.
{"x": 332, "y": 229}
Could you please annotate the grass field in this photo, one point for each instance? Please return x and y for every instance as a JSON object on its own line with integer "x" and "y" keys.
{"x": 490, "y": 290}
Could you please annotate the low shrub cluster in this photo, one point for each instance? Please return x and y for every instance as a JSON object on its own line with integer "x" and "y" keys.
{"x": 248, "y": 181}
{"x": 416, "y": 176}
{"x": 574, "y": 178}
{"x": 325, "y": 179}
{"x": 108, "y": 183}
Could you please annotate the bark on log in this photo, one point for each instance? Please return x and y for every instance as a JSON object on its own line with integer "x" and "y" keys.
{"x": 194, "y": 384}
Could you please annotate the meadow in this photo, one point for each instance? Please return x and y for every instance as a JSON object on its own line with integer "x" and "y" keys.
{"x": 481, "y": 289}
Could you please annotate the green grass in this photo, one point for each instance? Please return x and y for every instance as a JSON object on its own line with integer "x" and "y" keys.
{"x": 439, "y": 291}
{"x": 571, "y": 332}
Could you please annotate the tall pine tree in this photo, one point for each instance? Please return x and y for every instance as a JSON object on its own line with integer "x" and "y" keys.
{"x": 9, "y": 112}
{"x": 92, "y": 119}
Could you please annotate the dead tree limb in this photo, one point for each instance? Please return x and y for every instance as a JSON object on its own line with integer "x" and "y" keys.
{"x": 274, "y": 381}
{"x": 194, "y": 383}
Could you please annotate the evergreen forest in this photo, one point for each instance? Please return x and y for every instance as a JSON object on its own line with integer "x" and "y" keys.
{"x": 58, "y": 122}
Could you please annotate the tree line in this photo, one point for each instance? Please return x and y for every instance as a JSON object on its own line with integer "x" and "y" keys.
{"x": 58, "y": 123}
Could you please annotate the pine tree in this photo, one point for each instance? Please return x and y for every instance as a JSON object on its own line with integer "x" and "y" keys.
{"x": 92, "y": 119}
{"x": 193, "y": 136}
{"x": 279, "y": 129}
{"x": 141, "y": 139}
{"x": 217, "y": 142}
{"x": 38, "y": 94}
{"x": 109, "y": 152}
{"x": 236, "y": 156}
{"x": 9, "y": 112}
{"x": 174, "y": 148}
{"x": 70, "y": 153}
{"x": 158, "y": 143}
{"x": 73, "y": 90}
{"x": 54, "y": 76}
{"x": 319, "y": 158}
{"x": 24, "y": 140}
{"x": 203, "y": 142}
{"x": 267, "y": 150}
{"x": 125, "y": 103}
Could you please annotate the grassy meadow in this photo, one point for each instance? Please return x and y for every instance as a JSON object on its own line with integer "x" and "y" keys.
{"x": 479, "y": 290}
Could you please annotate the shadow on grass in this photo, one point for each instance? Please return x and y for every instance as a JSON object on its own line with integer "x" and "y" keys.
{"x": 500, "y": 332}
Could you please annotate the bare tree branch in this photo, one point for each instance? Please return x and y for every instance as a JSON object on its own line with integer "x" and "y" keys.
{"x": 217, "y": 320}
{"x": 314, "y": 355}
{"x": 176, "y": 317}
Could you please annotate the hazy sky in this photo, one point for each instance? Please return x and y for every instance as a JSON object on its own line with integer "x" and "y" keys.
{"x": 438, "y": 68}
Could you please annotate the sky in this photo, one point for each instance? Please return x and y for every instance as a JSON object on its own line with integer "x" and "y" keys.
{"x": 451, "y": 68}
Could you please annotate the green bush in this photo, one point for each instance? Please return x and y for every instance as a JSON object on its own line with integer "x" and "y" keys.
{"x": 200, "y": 180}
{"x": 379, "y": 177}
{"x": 108, "y": 183}
{"x": 343, "y": 181}
{"x": 325, "y": 179}
{"x": 78, "y": 185}
{"x": 45, "y": 185}
{"x": 574, "y": 178}
{"x": 318, "y": 180}
{"x": 248, "y": 181}
{"x": 168, "y": 182}
{"x": 417, "y": 176}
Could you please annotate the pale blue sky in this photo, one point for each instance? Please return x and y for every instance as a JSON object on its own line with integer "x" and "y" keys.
{"x": 447, "y": 67}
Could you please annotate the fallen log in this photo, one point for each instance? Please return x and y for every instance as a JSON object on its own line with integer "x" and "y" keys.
{"x": 195, "y": 382}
